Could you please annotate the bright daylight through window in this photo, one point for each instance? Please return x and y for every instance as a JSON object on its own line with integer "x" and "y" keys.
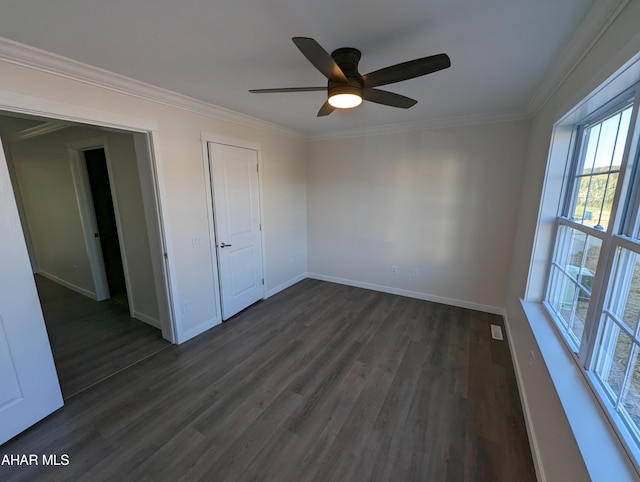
{"x": 593, "y": 290}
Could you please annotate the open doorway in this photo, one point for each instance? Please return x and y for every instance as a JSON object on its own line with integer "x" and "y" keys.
{"x": 96, "y": 165}
{"x": 94, "y": 332}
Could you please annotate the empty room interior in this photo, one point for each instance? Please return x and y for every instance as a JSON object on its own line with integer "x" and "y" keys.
{"x": 339, "y": 241}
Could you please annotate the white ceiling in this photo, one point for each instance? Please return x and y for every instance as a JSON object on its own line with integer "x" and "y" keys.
{"x": 214, "y": 51}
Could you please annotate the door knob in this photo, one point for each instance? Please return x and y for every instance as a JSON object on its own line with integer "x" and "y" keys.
{"x": 224, "y": 245}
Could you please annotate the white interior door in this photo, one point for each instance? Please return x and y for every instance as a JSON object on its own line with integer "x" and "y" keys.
{"x": 29, "y": 388}
{"x": 236, "y": 199}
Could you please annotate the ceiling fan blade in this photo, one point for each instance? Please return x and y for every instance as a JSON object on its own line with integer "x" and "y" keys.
{"x": 388, "y": 98}
{"x": 407, "y": 70}
{"x": 320, "y": 58}
{"x": 288, "y": 89}
{"x": 326, "y": 109}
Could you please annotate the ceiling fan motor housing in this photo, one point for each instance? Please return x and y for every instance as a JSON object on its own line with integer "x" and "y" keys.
{"x": 347, "y": 59}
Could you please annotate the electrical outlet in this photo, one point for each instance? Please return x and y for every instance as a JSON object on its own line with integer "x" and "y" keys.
{"x": 414, "y": 273}
{"x": 196, "y": 241}
{"x": 394, "y": 270}
{"x": 186, "y": 306}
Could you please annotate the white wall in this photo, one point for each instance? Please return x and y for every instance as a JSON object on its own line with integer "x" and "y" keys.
{"x": 558, "y": 452}
{"x": 43, "y": 170}
{"x": 48, "y": 199}
{"x": 441, "y": 201}
{"x": 182, "y": 182}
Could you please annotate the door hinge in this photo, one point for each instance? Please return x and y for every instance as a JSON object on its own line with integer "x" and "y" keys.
{"x": 165, "y": 255}
{"x": 260, "y": 225}
{"x": 262, "y": 280}
{"x": 257, "y": 168}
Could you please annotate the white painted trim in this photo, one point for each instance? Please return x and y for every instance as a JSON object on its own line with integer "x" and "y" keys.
{"x": 67, "y": 284}
{"x": 598, "y": 20}
{"x": 39, "y": 130}
{"x": 440, "y": 123}
{"x": 27, "y": 56}
{"x": 201, "y": 328}
{"x": 411, "y": 294}
{"x": 229, "y": 141}
{"x": 37, "y": 106}
{"x": 207, "y": 137}
{"x": 149, "y": 320}
{"x": 262, "y": 225}
{"x": 601, "y": 447}
{"x": 53, "y": 109}
{"x": 172, "y": 327}
{"x": 123, "y": 246}
{"x": 524, "y": 401}
{"x": 285, "y": 285}
{"x": 78, "y": 159}
{"x": 151, "y": 203}
{"x": 88, "y": 223}
{"x": 208, "y": 190}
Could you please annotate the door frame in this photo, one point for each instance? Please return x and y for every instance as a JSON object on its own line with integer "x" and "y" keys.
{"x": 207, "y": 137}
{"x": 154, "y": 192}
{"x": 88, "y": 217}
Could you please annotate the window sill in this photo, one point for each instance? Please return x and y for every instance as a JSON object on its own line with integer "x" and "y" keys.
{"x": 601, "y": 449}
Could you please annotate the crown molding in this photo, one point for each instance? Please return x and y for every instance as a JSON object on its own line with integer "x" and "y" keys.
{"x": 37, "y": 59}
{"x": 39, "y": 130}
{"x": 595, "y": 24}
{"x": 599, "y": 18}
{"x": 433, "y": 124}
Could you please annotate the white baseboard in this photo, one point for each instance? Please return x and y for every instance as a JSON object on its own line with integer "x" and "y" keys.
{"x": 67, "y": 284}
{"x": 531, "y": 433}
{"x": 149, "y": 320}
{"x": 193, "y": 332}
{"x": 285, "y": 285}
{"x": 411, "y": 294}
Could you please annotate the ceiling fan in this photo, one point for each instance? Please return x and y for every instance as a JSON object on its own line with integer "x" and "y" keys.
{"x": 347, "y": 88}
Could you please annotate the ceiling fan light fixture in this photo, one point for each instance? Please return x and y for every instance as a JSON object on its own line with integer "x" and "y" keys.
{"x": 347, "y": 88}
{"x": 345, "y": 96}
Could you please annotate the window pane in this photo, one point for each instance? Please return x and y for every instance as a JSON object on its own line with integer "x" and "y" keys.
{"x": 596, "y": 178}
{"x": 612, "y": 358}
{"x": 580, "y": 315}
{"x": 580, "y": 213}
{"x": 590, "y": 146}
{"x": 576, "y": 260}
{"x": 624, "y": 301}
{"x": 609, "y": 138}
{"x": 594, "y": 200}
{"x": 574, "y": 242}
{"x": 593, "y": 246}
{"x": 625, "y": 119}
{"x": 562, "y": 296}
{"x": 631, "y": 395}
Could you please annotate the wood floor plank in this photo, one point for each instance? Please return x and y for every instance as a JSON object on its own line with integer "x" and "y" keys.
{"x": 92, "y": 340}
{"x": 321, "y": 382}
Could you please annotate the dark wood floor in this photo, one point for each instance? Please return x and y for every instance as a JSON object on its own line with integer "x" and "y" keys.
{"x": 321, "y": 382}
{"x": 92, "y": 340}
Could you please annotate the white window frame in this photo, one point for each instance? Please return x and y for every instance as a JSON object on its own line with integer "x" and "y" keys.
{"x": 623, "y": 226}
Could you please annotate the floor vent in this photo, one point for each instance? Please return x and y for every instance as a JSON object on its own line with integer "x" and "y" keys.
{"x": 496, "y": 332}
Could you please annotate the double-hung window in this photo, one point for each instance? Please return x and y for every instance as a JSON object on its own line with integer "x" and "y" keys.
{"x": 593, "y": 287}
